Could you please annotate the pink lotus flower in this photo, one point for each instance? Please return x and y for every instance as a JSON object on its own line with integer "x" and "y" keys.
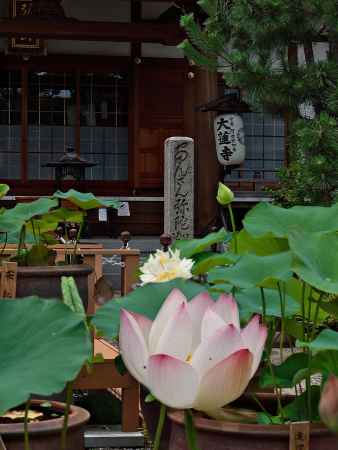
{"x": 194, "y": 354}
{"x": 328, "y": 406}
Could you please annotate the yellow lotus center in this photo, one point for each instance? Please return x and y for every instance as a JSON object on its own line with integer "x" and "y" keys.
{"x": 166, "y": 276}
{"x": 189, "y": 358}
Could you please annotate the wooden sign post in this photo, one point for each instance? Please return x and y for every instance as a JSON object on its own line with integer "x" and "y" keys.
{"x": 299, "y": 436}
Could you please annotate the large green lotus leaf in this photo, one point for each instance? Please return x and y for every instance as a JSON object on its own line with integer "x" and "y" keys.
{"x": 49, "y": 222}
{"x": 326, "y": 340}
{"x": 13, "y": 219}
{"x": 252, "y": 270}
{"x": 250, "y": 302}
{"x": 145, "y": 300}
{"x": 297, "y": 410}
{"x": 317, "y": 259}
{"x": 266, "y": 218}
{"x": 86, "y": 200}
{"x": 191, "y": 247}
{"x": 284, "y": 374}
{"x": 4, "y": 188}
{"x": 207, "y": 260}
{"x": 43, "y": 344}
{"x": 326, "y": 362}
{"x": 261, "y": 246}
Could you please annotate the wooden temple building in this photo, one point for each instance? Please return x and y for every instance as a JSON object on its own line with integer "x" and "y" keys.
{"x": 106, "y": 78}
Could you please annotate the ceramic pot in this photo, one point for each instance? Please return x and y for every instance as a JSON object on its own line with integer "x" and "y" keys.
{"x": 47, "y": 434}
{"x": 218, "y": 435}
{"x": 45, "y": 281}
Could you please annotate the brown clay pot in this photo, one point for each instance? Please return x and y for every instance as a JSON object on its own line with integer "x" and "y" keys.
{"x": 218, "y": 435}
{"x": 45, "y": 281}
{"x": 46, "y": 435}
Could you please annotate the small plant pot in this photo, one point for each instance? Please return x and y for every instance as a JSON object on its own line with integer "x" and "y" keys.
{"x": 45, "y": 281}
{"x": 219, "y": 435}
{"x": 46, "y": 435}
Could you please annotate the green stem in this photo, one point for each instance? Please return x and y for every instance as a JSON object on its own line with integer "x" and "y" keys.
{"x": 160, "y": 425}
{"x": 233, "y": 226}
{"x": 303, "y": 310}
{"x": 282, "y": 309}
{"x": 263, "y": 305}
{"x": 25, "y": 426}
{"x": 69, "y": 398}
{"x": 315, "y": 319}
{"x": 259, "y": 403}
{"x": 190, "y": 431}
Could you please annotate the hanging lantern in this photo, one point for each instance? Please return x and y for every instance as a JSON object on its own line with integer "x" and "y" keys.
{"x": 229, "y": 138}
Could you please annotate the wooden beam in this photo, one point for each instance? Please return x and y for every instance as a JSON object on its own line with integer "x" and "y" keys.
{"x": 68, "y": 29}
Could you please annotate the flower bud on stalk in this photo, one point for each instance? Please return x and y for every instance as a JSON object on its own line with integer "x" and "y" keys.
{"x": 328, "y": 406}
{"x": 224, "y": 195}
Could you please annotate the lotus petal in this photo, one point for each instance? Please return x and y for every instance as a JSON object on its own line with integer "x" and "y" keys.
{"x": 225, "y": 382}
{"x": 210, "y": 324}
{"x": 220, "y": 345}
{"x": 133, "y": 347}
{"x": 144, "y": 323}
{"x": 197, "y": 308}
{"x": 173, "y": 382}
{"x": 226, "y": 308}
{"x": 254, "y": 336}
{"x": 172, "y": 303}
{"x": 176, "y": 338}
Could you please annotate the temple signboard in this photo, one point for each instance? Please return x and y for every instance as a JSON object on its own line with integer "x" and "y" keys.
{"x": 23, "y": 44}
{"x": 229, "y": 138}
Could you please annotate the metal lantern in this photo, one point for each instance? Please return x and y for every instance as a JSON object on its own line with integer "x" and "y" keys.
{"x": 70, "y": 167}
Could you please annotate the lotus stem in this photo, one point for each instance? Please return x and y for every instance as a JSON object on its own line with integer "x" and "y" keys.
{"x": 69, "y": 398}
{"x": 160, "y": 425}
{"x": 190, "y": 430}
{"x": 263, "y": 305}
{"x": 25, "y": 426}
{"x": 282, "y": 309}
{"x": 233, "y": 227}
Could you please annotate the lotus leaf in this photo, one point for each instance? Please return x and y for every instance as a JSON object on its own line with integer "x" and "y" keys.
{"x": 266, "y": 218}
{"x": 43, "y": 345}
{"x": 86, "y": 201}
{"x": 317, "y": 259}
{"x": 145, "y": 300}
{"x": 191, "y": 247}
{"x": 252, "y": 270}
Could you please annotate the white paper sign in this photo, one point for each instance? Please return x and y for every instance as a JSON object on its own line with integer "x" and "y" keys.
{"x": 229, "y": 138}
{"x": 124, "y": 210}
{"x": 103, "y": 216}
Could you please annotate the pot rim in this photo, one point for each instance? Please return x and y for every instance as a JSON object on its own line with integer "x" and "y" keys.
{"x": 249, "y": 429}
{"x": 77, "y": 417}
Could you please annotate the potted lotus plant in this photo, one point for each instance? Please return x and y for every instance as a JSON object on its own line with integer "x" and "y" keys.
{"x": 43, "y": 346}
{"x": 282, "y": 267}
{"x": 33, "y": 226}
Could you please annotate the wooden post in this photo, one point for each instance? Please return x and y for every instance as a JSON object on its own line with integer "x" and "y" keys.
{"x": 129, "y": 272}
{"x": 130, "y": 408}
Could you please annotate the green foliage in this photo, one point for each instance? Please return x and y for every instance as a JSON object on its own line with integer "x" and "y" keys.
{"x": 191, "y": 247}
{"x": 43, "y": 345}
{"x": 249, "y": 41}
{"x": 146, "y": 300}
{"x": 85, "y": 201}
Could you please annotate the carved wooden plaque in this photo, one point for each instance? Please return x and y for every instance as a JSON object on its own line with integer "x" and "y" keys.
{"x": 22, "y": 44}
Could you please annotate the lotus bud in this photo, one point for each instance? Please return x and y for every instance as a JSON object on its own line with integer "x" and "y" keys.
{"x": 224, "y": 195}
{"x": 328, "y": 406}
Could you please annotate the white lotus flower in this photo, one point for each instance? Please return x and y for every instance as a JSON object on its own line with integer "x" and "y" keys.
{"x": 194, "y": 354}
{"x": 165, "y": 266}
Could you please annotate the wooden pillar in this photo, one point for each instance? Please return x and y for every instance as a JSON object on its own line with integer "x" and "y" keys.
{"x": 200, "y": 89}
